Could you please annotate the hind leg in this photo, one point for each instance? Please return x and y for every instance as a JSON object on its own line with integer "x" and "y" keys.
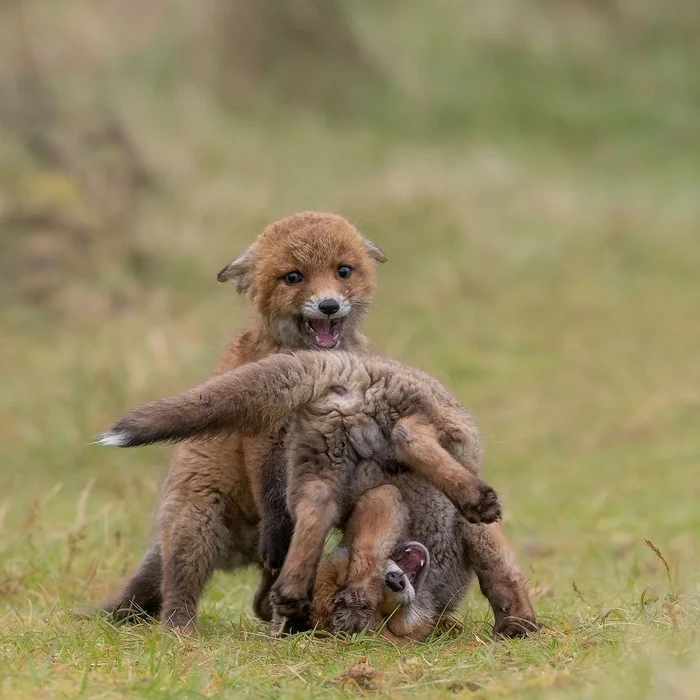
{"x": 417, "y": 445}
{"x": 501, "y": 580}
{"x": 192, "y": 544}
{"x": 141, "y": 597}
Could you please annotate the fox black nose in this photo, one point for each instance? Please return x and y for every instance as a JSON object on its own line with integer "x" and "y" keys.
{"x": 395, "y": 580}
{"x": 329, "y": 307}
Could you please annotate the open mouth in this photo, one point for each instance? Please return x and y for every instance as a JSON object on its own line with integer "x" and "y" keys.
{"x": 412, "y": 560}
{"x": 324, "y": 332}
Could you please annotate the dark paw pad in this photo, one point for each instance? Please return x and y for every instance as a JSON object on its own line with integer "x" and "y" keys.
{"x": 281, "y": 626}
{"x": 486, "y": 508}
{"x": 289, "y": 607}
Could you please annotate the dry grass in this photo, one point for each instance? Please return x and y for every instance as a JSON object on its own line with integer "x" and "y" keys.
{"x": 549, "y": 275}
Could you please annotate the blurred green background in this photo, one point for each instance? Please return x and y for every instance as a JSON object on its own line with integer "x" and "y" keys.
{"x": 531, "y": 167}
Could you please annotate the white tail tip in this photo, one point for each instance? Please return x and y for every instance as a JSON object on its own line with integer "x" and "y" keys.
{"x": 111, "y": 438}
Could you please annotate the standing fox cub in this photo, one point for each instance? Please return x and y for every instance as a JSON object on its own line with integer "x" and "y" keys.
{"x": 311, "y": 278}
{"x": 353, "y": 425}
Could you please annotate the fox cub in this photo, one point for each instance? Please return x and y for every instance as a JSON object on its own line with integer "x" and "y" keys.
{"x": 354, "y": 424}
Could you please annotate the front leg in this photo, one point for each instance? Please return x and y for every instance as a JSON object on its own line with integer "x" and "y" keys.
{"x": 500, "y": 578}
{"x": 377, "y": 523}
{"x": 276, "y": 523}
{"x": 315, "y": 512}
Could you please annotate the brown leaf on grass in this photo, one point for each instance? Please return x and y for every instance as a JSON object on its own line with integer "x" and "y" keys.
{"x": 675, "y": 613}
{"x": 361, "y": 676}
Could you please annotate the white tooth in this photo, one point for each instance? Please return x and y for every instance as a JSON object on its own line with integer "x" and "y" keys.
{"x": 422, "y": 562}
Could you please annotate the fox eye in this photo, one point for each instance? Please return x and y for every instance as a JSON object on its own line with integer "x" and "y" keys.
{"x": 344, "y": 271}
{"x": 293, "y": 277}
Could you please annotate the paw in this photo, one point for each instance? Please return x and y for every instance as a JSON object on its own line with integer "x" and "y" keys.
{"x": 123, "y": 611}
{"x": 511, "y": 627}
{"x": 282, "y": 626}
{"x": 296, "y": 610}
{"x": 180, "y": 624}
{"x": 353, "y": 610}
{"x": 486, "y": 508}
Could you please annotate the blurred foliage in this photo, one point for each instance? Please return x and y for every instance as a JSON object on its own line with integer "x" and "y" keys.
{"x": 578, "y": 71}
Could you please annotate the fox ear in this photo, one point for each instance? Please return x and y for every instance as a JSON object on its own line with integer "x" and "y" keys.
{"x": 375, "y": 252}
{"x": 239, "y": 271}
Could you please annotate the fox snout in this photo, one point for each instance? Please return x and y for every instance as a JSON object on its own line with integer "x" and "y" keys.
{"x": 326, "y": 306}
{"x": 323, "y": 316}
{"x": 395, "y": 580}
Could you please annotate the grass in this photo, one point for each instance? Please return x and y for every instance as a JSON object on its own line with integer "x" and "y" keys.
{"x": 544, "y": 262}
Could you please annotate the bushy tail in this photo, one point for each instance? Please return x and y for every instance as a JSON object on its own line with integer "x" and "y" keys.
{"x": 250, "y": 399}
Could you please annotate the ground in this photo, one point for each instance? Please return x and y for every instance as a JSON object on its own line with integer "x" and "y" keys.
{"x": 544, "y": 261}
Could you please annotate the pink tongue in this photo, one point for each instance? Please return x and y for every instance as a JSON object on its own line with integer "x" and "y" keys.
{"x": 325, "y": 337}
{"x": 410, "y": 561}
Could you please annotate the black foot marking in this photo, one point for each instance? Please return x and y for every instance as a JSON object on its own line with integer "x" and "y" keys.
{"x": 487, "y": 508}
{"x": 294, "y": 609}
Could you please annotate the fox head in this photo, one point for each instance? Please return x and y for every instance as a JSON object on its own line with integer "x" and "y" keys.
{"x": 395, "y": 591}
{"x": 311, "y": 277}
